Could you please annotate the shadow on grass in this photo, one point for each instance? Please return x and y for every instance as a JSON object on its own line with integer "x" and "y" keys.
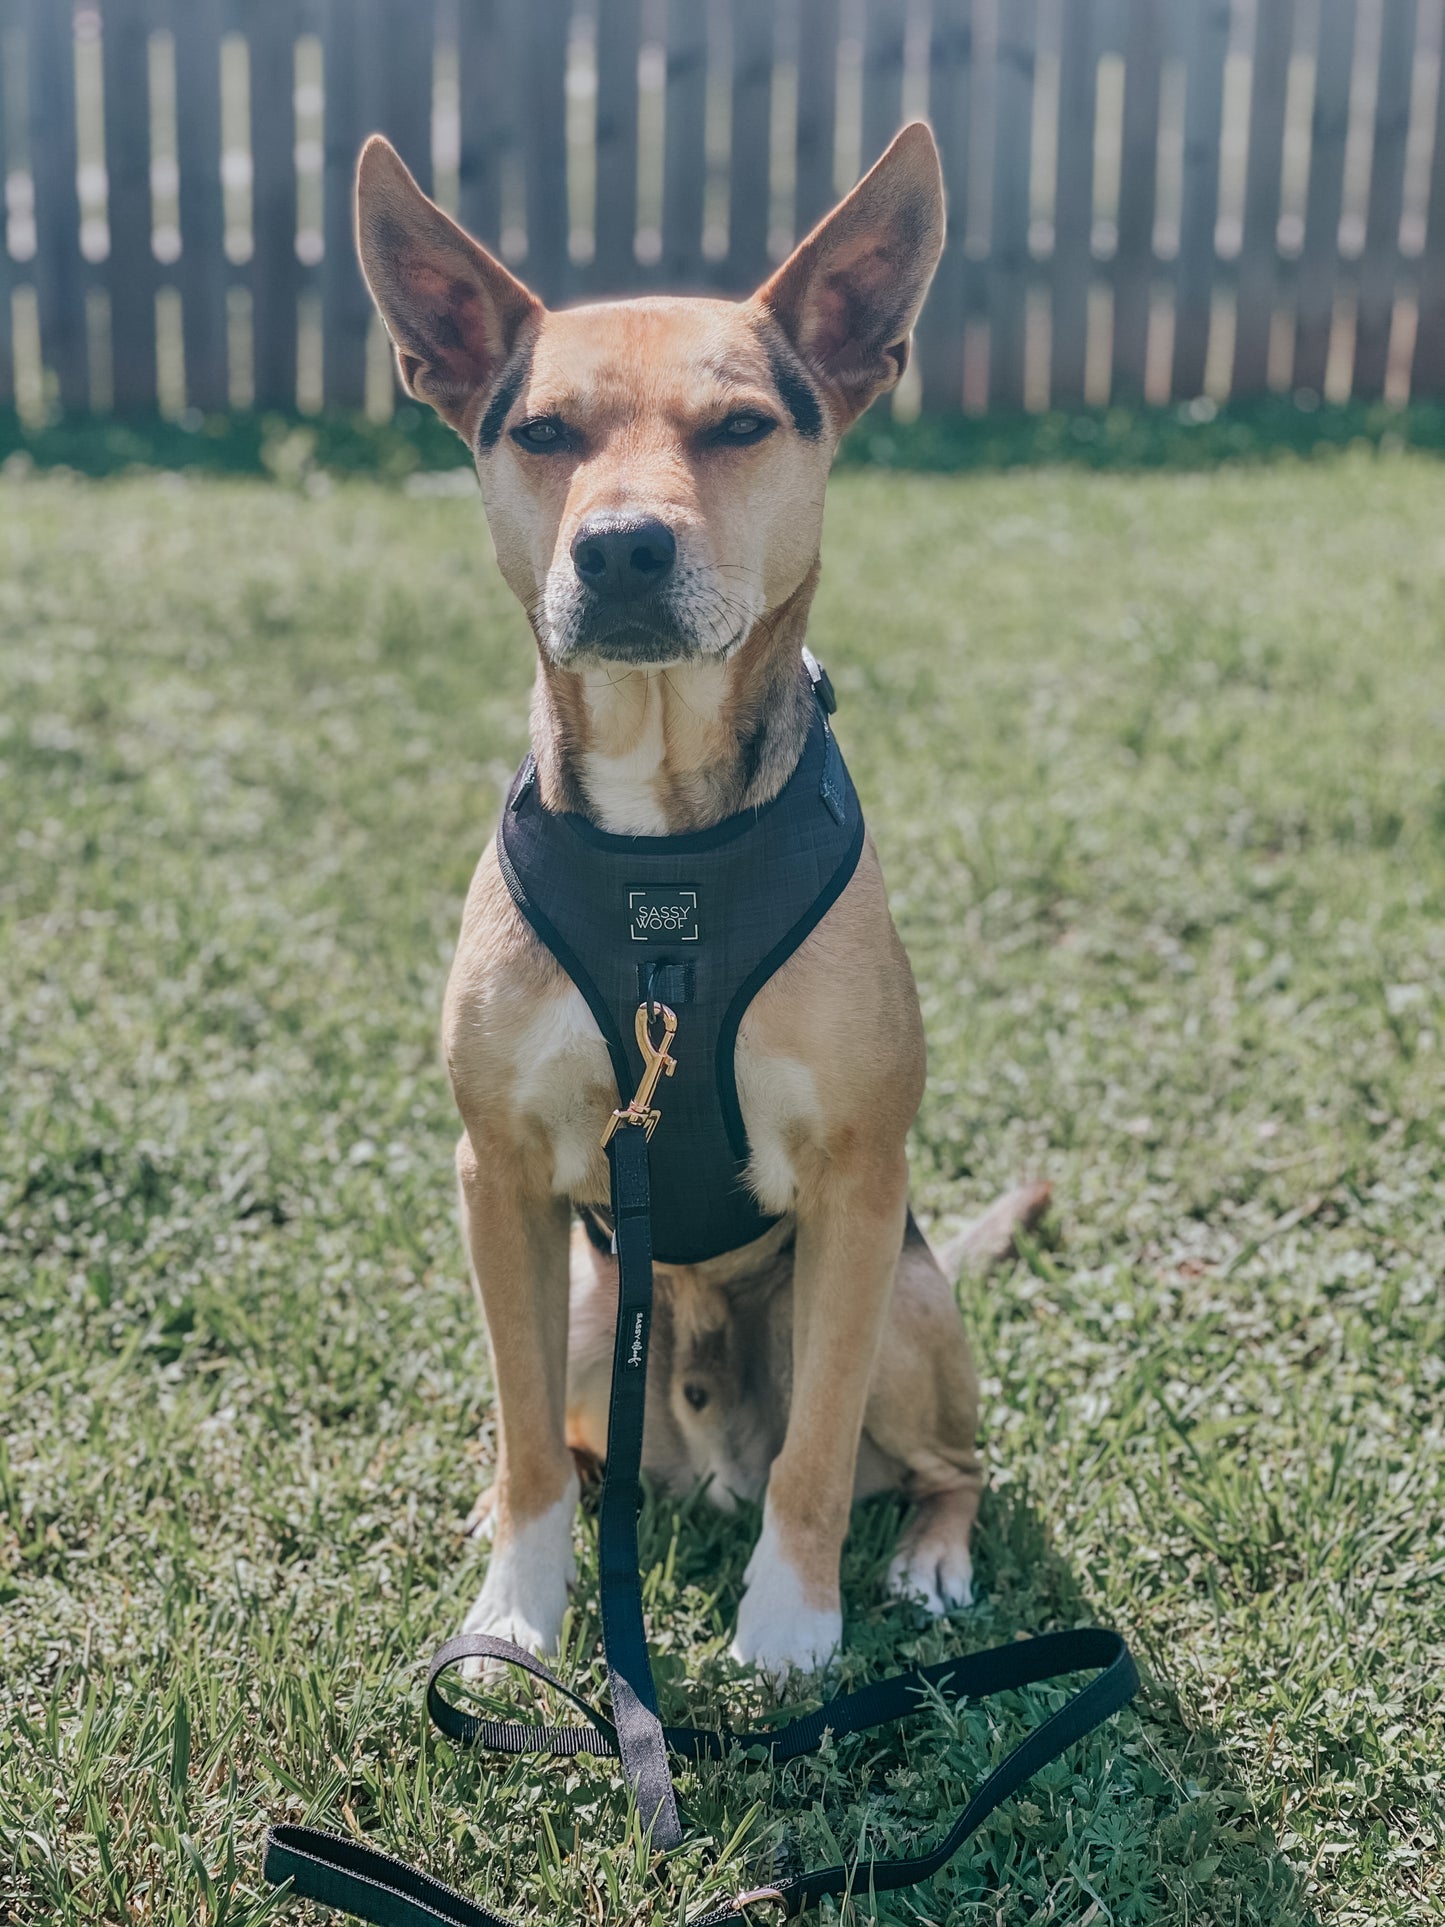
{"x": 1141, "y": 1822}
{"x": 1195, "y": 435}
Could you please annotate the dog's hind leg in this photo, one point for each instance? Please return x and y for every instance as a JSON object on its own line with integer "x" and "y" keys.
{"x": 922, "y": 1416}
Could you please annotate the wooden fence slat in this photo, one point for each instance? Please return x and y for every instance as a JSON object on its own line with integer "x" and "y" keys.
{"x": 404, "y": 37}
{"x": 378, "y": 69}
{"x": 485, "y": 103}
{"x": 1208, "y": 35}
{"x": 684, "y": 175}
{"x": 201, "y": 272}
{"x": 130, "y": 265}
{"x": 274, "y": 277}
{"x": 817, "y": 111}
{"x": 1258, "y": 286}
{"x": 59, "y": 268}
{"x": 749, "y": 160}
{"x": 615, "y": 254}
{"x": 1378, "y": 264}
{"x": 940, "y": 328}
{"x": 885, "y": 25}
{"x": 1073, "y": 261}
{"x": 1009, "y": 242}
{"x": 345, "y": 123}
{"x": 1427, "y": 372}
{"x": 7, "y": 266}
{"x": 1329, "y": 131}
{"x": 1138, "y": 173}
{"x": 544, "y": 144}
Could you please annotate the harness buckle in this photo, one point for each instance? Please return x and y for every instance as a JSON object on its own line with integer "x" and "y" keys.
{"x": 657, "y": 1063}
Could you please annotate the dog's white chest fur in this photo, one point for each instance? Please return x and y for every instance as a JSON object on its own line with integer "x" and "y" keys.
{"x": 564, "y": 1081}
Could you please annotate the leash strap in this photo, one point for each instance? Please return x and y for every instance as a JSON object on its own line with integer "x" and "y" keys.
{"x": 346, "y": 1874}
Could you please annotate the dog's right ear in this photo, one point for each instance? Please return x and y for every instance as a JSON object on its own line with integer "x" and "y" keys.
{"x": 453, "y": 312}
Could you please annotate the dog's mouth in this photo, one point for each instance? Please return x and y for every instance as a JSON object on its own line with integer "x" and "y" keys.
{"x": 652, "y": 639}
{"x": 638, "y": 644}
{"x": 690, "y": 619}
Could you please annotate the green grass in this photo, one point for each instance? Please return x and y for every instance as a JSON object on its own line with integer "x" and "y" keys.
{"x": 1155, "y": 767}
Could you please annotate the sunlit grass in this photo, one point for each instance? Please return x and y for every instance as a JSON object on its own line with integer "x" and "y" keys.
{"x": 1155, "y": 767}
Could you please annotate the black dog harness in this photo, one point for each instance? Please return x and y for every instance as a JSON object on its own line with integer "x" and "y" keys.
{"x": 645, "y": 926}
{"x": 699, "y": 923}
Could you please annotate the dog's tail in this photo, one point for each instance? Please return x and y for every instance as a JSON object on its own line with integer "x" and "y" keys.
{"x": 988, "y": 1240}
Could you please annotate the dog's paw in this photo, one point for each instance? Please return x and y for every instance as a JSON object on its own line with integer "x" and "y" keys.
{"x": 524, "y": 1595}
{"x": 779, "y": 1631}
{"x": 932, "y": 1563}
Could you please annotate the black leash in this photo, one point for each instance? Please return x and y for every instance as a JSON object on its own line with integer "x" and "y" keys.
{"x": 344, "y": 1873}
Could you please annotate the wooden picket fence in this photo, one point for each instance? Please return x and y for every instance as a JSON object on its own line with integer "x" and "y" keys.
{"x": 1149, "y": 199}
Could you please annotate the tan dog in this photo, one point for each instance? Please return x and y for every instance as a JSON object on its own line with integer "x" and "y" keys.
{"x": 688, "y": 442}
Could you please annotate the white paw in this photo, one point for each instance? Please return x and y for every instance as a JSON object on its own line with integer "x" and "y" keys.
{"x": 524, "y": 1595}
{"x": 940, "y": 1577}
{"x": 779, "y": 1632}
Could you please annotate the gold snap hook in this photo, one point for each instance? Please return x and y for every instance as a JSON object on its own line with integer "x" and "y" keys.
{"x": 657, "y": 1063}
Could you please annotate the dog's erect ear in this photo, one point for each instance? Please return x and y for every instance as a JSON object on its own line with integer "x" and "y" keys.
{"x": 848, "y": 295}
{"x": 453, "y": 313}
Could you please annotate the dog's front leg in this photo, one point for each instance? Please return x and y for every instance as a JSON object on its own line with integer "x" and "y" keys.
{"x": 516, "y": 1233}
{"x": 850, "y": 1229}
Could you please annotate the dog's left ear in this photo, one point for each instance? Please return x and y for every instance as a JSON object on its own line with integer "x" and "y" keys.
{"x": 452, "y": 310}
{"x": 848, "y": 296}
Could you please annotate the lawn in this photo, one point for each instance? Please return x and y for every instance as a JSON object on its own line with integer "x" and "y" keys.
{"x": 1155, "y": 767}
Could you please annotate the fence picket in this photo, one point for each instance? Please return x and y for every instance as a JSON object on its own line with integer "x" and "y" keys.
{"x": 1427, "y": 371}
{"x": 59, "y": 268}
{"x": 615, "y": 253}
{"x": 749, "y": 163}
{"x": 885, "y": 26}
{"x": 1073, "y": 257}
{"x": 1199, "y": 207}
{"x": 1376, "y": 308}
{"x": 7, "y": 268}
{"x": 202, "y": 270}
{"x": 274, "y": 278}
{"x": 405, "y": 39}
{"x": 684, "y": 177}
{"x": 1009, "y": 242}
{"x": 130, "y": 265}
{"x": 1134, "y": 265}
{"x": 1259, "y": 251}
{"x": 345, "y": 305}
{"x": 544, "y": 144}
{"x": 817, "y": 110}
{"x": 940, "y": 328}
{"x": 1329, "y": 130}
{"x": 485, "y": 104}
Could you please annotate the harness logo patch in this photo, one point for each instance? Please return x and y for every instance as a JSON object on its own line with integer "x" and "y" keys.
{"x": 634, "y": 1356}
{"x": 662, "y": 916}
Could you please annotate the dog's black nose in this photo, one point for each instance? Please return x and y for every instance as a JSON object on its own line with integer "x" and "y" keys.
{"x": 623, "y": 557}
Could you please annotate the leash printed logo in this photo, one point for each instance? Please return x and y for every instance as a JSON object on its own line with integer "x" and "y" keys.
{"x": 634, "y": 1356}
{"x": 662, "y": 916}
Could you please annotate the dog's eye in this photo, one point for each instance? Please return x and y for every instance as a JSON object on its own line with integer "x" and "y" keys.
{"x": 745, "y": 426}
{"x": 545, "y": 435}
{"x": 696, "y": 1396}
